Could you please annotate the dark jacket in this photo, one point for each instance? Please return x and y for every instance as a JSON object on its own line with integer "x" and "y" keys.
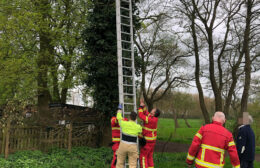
{"x": 246, "y": 138}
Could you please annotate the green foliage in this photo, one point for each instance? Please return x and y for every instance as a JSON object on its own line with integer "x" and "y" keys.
{"x": 84, "y": 157}
{"x": 100, "y": 59}
{"x": 17, "y": 60}
{"x": 25, "y": 28}
{"x": 80, "y": 157}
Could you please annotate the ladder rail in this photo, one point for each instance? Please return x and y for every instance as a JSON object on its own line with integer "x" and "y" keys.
{"x": 119, "y": 53}
{"x": 126, "y": 45}
{"x": 132, "y": 53}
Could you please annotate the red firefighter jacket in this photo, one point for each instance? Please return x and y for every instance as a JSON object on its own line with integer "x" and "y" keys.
{"x": 209, "y": 145}
{"x": 149, "y": 124}
{"x": 116, "y": 129}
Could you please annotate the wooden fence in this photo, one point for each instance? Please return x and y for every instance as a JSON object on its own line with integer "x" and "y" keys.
{"x": 39, "y": 138}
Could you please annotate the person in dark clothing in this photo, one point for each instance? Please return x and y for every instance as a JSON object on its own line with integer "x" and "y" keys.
{"x": 246, "y": 143}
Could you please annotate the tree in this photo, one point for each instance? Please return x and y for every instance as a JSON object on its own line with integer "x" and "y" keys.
{"x": 100, "y": 60}
{"x": 43, "y": 43}
{"x": 162, "y": 61}
{"x": 224, "y": 52}
{"x": 17, "y": 59}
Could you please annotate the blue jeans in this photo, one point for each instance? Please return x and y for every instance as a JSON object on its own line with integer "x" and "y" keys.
{"x": 246, "y": 164}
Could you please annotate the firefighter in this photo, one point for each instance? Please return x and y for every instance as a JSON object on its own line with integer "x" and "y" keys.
{"x": 115, "y": 138}
{"x": 149, "y": 132}
{"x": 128, "y": 143}
{"x": 209, "y": 145}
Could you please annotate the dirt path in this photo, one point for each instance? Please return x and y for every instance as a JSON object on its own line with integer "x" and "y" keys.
{"x": 172, "y": 147}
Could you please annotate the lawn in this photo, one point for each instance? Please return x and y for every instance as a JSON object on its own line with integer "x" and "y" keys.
{"x": 185, "y": 134}
{"x": 182, "y": 135}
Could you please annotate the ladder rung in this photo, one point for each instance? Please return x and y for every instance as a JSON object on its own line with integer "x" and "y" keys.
{"x": 125, "y": 1}
{"x": 129, "y": 103}
{"x": 127, "y": 76}
{"x": 127, "y": 113}
{"x": 125, "y": 16}
{"x": 126, "y": 33}
{"x": 127, "y": 58}
{"x": 127, "y": 67}
{"x": 125, "y": 24}
{"x": 127, "y": 9}
{"x": 127, "y": 50}
{"x": 126, "y": 41}
{"x": 128, "y": 94}
{"x": 128, "y": 85}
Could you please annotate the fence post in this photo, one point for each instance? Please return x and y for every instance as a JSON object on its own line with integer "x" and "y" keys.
{"x": 7, "y": 134}
{"x": 3, "y": 140}
{"x": 70, "y": 137}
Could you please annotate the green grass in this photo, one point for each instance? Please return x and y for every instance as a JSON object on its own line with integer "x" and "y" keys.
{"x": 177, "y": 160}
{"x": 182, "y": 135}
{"x": 185, "y": 134}
{"x": 257, "y": 149}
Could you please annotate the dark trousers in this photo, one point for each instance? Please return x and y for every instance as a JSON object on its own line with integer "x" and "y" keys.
{"x": 246, "y": 164}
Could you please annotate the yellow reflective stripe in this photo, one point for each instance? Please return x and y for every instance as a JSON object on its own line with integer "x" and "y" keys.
{"x": 231, "y": 143}
{"x": 149, "y": 129}
{"x": 143, "y": 161}
{"x": 199, "y": 135}
{"x": 144, "y": 108}
{"x": 115, "y": 128}
{"x": 189, "y": 157}
{"x": 203, "y": 154}
{"x": 222, "y": 158}
{"x": 238, "y": 166}
{"x": 146, "y": 119}
{"x": 208, "y": 164}
{"x": 115, "y": 139}
{"x": 212, "y": 148}
{"x": 140, "y": 110}
{"x": 150, "y": 138}
{"x": 150, "y": 167}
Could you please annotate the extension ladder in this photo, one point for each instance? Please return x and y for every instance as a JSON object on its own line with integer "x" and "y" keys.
{"x": 125, "y": 56}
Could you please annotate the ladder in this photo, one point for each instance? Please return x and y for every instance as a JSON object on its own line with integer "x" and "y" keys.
{"x": 125, "y": 56}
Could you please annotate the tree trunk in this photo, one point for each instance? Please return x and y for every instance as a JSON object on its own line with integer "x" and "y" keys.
{"x": 55, "y": 85}
{"x": 65, "y": 87}
{"x": 228, "y": 101}
{"x": 215, "y": 87}
{"x": 43, "y": 56}
{"x": 185, "y": 119}
{"x": 247, "y": 67}
{"x": 197, "y": 71}
{"x": 149, "y": 105}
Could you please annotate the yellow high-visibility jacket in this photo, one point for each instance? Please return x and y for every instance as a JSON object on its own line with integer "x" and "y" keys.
{"x": 128, "y": 127}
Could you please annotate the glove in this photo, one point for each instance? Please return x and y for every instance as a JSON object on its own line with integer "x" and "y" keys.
{"x": 120, "y": 106}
